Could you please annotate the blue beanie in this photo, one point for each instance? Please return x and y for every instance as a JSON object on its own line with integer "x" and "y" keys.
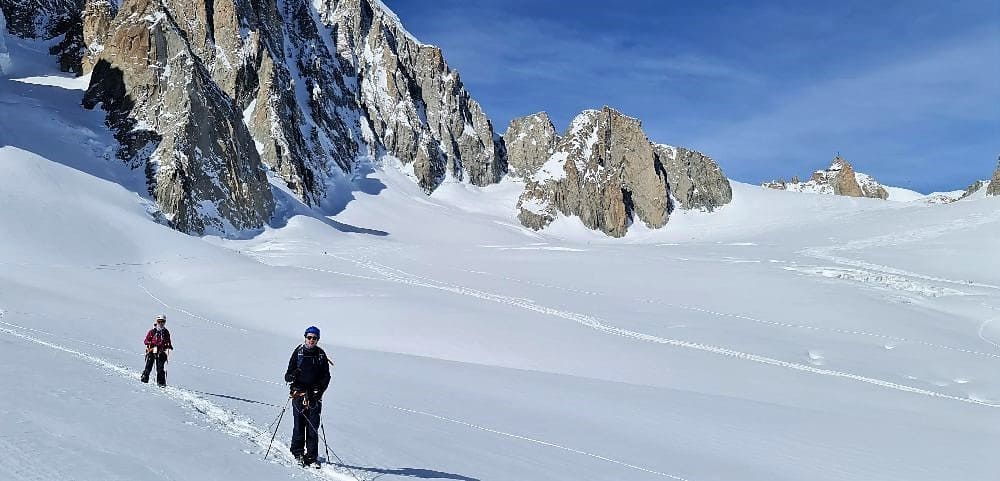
{"x": 312, "y": 330}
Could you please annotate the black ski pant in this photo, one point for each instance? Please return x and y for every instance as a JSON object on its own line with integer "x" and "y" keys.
{"x": 160, "y": 358}
{"x": 304, "y": 434}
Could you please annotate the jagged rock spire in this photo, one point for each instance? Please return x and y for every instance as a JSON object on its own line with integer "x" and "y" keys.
{"x": 604, "y": 171}
{"x": 839, "y": 179}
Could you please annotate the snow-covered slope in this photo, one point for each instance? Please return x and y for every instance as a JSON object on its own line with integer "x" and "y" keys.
{"x": 785, "y": 337}
{"x": 900, "y": 194}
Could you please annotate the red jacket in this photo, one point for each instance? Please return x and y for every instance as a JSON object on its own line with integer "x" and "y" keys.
{"x": 159, "y": 339}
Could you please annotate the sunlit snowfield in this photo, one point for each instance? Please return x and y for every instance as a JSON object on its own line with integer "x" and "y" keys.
{"x": 786, "y": 337}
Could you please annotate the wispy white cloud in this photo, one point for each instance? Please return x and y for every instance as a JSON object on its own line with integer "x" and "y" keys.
{"x": 895, "y": 117}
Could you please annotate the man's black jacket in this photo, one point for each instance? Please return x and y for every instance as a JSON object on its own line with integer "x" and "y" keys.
{"x": 308, "y": 370}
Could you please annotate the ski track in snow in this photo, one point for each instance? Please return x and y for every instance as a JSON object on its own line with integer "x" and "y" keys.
{"x": 225, "y": 421}
{"x": 232, "y": 423}
{"x": 982, "y": 327}
{"x": 893, "y": 278}
{"x": 853, "y": 332}
{"x": 403, "y": 277}
{"x": 889, "y": 240}
{"x": 134, "y": 353}
{"x": 544, "y": 443}
{"x": 168, "y": 306}
{"x": 536, "y": 441}
{"x": 877, "y": 278}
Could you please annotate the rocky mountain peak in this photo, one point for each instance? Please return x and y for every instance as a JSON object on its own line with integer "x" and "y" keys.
{"x": 604, "y": 171}
{"x": 208, "y": 96}
{"x": 414, "y": 103}
{"x": 304, "y": 88}
{"x": 838, "y": 179}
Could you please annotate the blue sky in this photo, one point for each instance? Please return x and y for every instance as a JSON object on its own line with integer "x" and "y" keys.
{"x": 907, "y": 91}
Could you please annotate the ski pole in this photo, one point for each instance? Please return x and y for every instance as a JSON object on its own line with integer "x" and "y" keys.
{"x": 275, "y": 430}
{"x": 322, "y": 427}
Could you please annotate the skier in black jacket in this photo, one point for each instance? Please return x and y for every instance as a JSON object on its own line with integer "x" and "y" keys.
{"x": 308, "y": 376}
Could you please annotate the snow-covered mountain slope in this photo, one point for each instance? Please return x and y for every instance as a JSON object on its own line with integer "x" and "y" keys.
{"x": 900, "y": 194}
{"x": 784, "y": 337}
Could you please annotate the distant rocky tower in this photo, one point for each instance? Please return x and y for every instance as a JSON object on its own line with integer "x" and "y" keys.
{"x": 994, "y": 188}
{"x": 605, "y": 171}
{"x": 838, "y": 179}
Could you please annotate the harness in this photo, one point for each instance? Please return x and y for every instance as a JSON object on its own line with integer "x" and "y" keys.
{"x": 301, "y": 356}
{"x": 159, "y": 336}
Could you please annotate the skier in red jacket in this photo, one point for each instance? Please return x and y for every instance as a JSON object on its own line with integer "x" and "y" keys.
{"x": 158, "y": 347}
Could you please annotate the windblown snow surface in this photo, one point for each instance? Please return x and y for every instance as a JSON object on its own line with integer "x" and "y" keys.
{"x": 786, "y": 337}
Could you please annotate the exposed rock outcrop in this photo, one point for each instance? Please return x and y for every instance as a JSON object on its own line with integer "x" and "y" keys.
{"x": 838, "y": 179}
{"x": 604, "y": 171}
{"x": 96, "y": 21}
{"x": 5, "y": 62}
{"x": 40, "y": 18}
{"x": 972, "y": 189}
{"x": 696, "y": 181}
{"x": 172, "y": 119}
{"x": 414, "y": 103}
{"x": 49, "y": 19}
{"x": 994, "y": 188}
{"x": 530, "y": 141}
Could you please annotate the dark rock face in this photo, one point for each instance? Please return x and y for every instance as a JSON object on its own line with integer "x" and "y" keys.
{"x": 40, "y": 18}
{"x": 994, "y": 188}
{"x": 413, "y": 103}
{"x": 301, "y": 106}
{"x": 307, "y": 88}
{"x": 172, "y": 119}
{"x": 49, "y": 19}
{"x": 696, "y": 181}
{"x": 5, "y": 63}
{"x": 95, "y": 23}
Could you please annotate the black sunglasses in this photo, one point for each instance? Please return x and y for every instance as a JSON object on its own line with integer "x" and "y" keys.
{"x": 312, "y": 338}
